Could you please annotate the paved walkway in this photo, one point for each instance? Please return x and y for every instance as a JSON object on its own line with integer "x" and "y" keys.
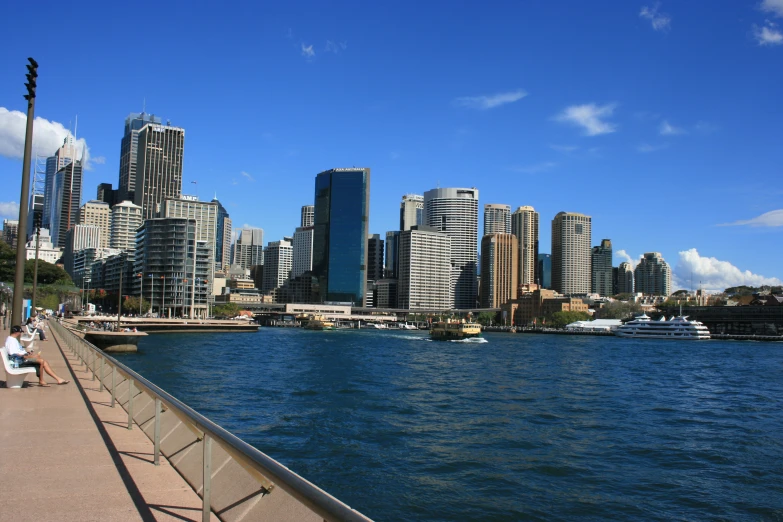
{"x": 65, "y": 454}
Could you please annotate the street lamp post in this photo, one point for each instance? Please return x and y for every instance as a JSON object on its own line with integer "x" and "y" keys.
{"x": 163, "y": 296}
{"x": 35, "y": 269}
{"x": 152, "y": 289}
{"x": 140, "y": 275}
{"x": 21, "y": 250}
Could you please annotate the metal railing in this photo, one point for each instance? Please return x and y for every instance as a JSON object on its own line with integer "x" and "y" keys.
{"x": 268, "y": 472}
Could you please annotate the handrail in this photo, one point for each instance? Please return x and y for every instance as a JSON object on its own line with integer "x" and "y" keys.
{"x": 318, "y": 500}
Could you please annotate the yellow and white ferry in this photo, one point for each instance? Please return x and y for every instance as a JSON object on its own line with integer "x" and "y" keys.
{"x": 454, "y": 330}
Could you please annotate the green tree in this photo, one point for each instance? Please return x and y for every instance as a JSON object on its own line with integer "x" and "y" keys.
{"x": 618, "y": 310}
{"x": 561, "y": 319}
{"x": 48, "y": 302}
{"x": 226, "y": 310}
{"x": 7, "y": 262}
{"x": 131, "y": 305}
{"x": 48, "y": 274}
{"x": 486, "y": 318}
{"x": 622, "y": 297}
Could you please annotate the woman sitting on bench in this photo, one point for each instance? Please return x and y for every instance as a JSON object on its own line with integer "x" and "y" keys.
{"x": 28, "y": 359}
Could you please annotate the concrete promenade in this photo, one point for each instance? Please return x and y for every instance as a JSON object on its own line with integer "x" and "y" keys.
{"x": 67, "y": 455}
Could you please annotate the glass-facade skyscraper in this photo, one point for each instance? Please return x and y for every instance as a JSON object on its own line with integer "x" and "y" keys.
{"x": 342, "y": 221}
{"x": 128, "y": 149}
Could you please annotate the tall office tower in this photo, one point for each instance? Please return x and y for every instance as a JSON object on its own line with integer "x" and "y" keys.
{"x": 11, "y": 232}
{"x": 302, "y": 251}
{"x": 278, "y": 263}
{"x": 129, "y": 153}
{"x": 499, "y": 267}
{"x": 222, "y": 237}
{"x": 571, "y": 238}
{"x": 107, "y": 194}
{"x": 158, "y": 167}
{"x": 524, "y": 225}
{"x": 35, "y": 213}
{"x": 76, "y": 238}
{"x": 97, "y": 213}
{"x": 308, "y": 216}
{"x": 625, "y": 279}
{"x": 391, "y": 265}
{"x": 66, "y": 198}
{"x": 544, "y": 270}
{"x": 653, "y": 275}
{"x": 601, "y": 263}
{"x": 497, "y": 219}
{"x": 455, "y": 212}
{"x": 125, "y": 220}
{"x": 249, "y": 248}
{"x": 342, "y": 222}
{"x": 375, "y": 260}
{"x": 176, "y": 267}
{"x": 62, "y": 157}
{"x": 425, "y": 274}
{"x": 411, "y": 211}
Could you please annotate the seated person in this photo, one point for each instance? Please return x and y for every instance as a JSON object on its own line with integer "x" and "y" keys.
{"x": 35, "y": 327}
{"x": 25, "y": 359}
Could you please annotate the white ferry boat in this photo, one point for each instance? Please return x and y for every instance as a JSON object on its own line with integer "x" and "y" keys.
{"x": 643, "y": 327}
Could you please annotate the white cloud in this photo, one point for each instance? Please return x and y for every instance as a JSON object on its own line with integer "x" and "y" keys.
{"x": 646, "y": 148}
{"x": 491, "y": 101}
{"x": 715, "y": 275}
{"x": 307, "y": 51}
{"x": 99, "y": 160}
{"x": 624, "y": 255}
{"x": 335, "y": 47}
{"x": 772, "y": 6}
{"x": 590, "y": 117}
{"x": 659, "y": 21}
{"x": 773, "y": 218}
{"x": 536, "y": 168}
{"x": 246, "y": 175}
{"x": 667, "y": 129}
{"x": 768, "y": 35}
{"x": 48, "y": 136}
{"x": 9, "y": 209}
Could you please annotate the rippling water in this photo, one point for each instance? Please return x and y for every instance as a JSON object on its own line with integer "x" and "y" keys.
{"x": 545, "y": 427}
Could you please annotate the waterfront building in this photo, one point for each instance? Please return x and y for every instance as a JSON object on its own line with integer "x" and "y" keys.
{"x": 524, "y": 225}
{"x": 114, "y": 266}
{"x": 601, "y": 269}
{"x": 342, "y": 220}
{"x": 375, "y": 261}
{"x": 425, "y": 275}
{"x": 411, "y": 211}
{"x": 571, "y": 246}
{"x": 83, "y": 261}
{"x": 455, "y": 212}
{"x": 308, "y": 216}
{"x": 300, "y": 289}
{"x": 302, "y": 251}
{"x": 10, "y": 232}
{"x": 62, "y": 157}
{"x": 386, "y": 293}
{"x": 625, "y": 279}
{"x": 540, "y": 304}
{"x": 249, "y": 248}
{"x": 544, "y": 270}
{"x": 278, "y": 262}
{"x": 499, "y": 266}
{"x": 66, "y": 198}
{"x": 129, "y": 147}
{"x": 391, "y": 263}
{"x": 46, "y": 250}
{"x": 653, "y": 275}
{"x": 497, "y": 219}
{"x": 125, "y": 220}
{"x": 158, "y": 173}
{"x": 222, "y": 237}
{"x": 97, "y": 213}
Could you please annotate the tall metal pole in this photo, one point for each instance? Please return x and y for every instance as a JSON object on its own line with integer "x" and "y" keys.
{"x": 141, "y": 291}
{"x": 21, "y": 250}
{"x": 119, "y": 297}
{"x": 35, "y": 270}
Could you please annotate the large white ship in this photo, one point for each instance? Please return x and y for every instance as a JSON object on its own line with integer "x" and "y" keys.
{"x": 643, "y": 327}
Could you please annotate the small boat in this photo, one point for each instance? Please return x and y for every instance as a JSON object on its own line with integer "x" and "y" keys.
{"x": 319, "y": 322}
{"x": 454, "y": 330}
{"x": 406, "y": 326}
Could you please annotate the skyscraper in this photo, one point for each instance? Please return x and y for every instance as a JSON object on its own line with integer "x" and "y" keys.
{"x": 544, "y": 270}
{"x": 653, "y": 275}
{"x": 391, "y": 266}
{"x": 66, "y": 198}
{"x": 302, "y": 251}
{"x": 411, "y": 211}
{"x": 425, "y": 274}
{"x": 249, "y": 248}
{"x": 625, "y": 281}
{"x": 497, "y": 219}
{"x": 342, "y": 221}
{"x": 308, "y": 216}
{"x": 107, "y": 194}
{"x": 601, "y": 262}
{"x": 158, "y": 167}
{"x": 62, "y": 157}
{"x": 524, "y": 225}
{"x": 128, "y": 153}
{"x": 374, "y": 257}
{"x": 571, "y": 238}
{"x": 278, "y": 261}
{"x": 125, "y": 220}
{"x": 455, "y": 212}
{"x": 222, "y": 237}
{"x": 499, "y": 266}
{"x": 97, "y": 213}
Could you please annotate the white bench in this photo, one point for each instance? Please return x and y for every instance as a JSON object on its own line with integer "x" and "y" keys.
{"x": 14, "y": 377}
{"x": 28, "y": 338}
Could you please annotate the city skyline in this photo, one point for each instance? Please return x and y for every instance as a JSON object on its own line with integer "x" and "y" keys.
{"x": 583, "y": 144}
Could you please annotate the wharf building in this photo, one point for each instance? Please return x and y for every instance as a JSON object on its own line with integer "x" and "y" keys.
{"x": 571, "y": 247}
{"x": 63, "y": 156}
{"x": 46, "y": 250}
{"x": 10, "y": 232}
{"x": 302, "y": 251}
{"x": 653, "y": 275}
{"x": 342, "y": 220}
{"x": 601, "y": 269}
{"x": 97, "y": 213}
{"x": 158, "y": 173}
{"x": 308, "y": 216}
{"x": 454, "y": 211}
{"x": 248, "y": 249}
{"x": 425, "y": 274}
{"x": 222, "y": 238}
{"x": 66, "y": 198}
{"x": 411, "y": 211}
{"x": 125, "y": 220}
{"x": 524, "y": 225}
{"x": 497, "y": 219}
{"x": 534, "y": 307}
{"x": 129, "y": 147}
{"x": 278, "y": 263}
{"x": 625, "y": 279}
{"x": 499, "y": 265}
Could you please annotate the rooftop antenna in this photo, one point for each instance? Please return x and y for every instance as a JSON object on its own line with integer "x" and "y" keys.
{"x": 144, "y": 106}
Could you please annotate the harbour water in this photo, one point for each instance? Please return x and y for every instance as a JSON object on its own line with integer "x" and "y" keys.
{"x": 514, "y": 427}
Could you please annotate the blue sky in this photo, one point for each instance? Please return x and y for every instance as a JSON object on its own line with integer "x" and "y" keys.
{"x": 662, "y": 121}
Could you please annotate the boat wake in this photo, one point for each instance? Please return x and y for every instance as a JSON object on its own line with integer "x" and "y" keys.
{"x": 477, "y": 340}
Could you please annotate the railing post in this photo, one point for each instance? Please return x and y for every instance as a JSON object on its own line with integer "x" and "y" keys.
{"x": 156, "y": 438}
{"x": 113, "y": 384}
{"x": 130, "y": 403}
{"x": 94, "y": 359}
{"x": 206, "y": 507}
{"x": 101, "y": 378}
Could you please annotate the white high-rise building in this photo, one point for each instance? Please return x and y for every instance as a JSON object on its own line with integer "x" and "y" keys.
{"x": 411, "y": 211}
{"x": 125, "y": 220}
{"x": 46, "y": 251}
{"x": 653, "y": 275}
{"x": 497, "y": 219}
{"x": 248, "y": 249}
{"x": 97, "y": 213}
{"x": 278, "y": 262}
{"x": 455, "y": 212}
{"x": 86, "y": 236}
{"x": 425, "y": 275}
{"x": 302, "y": 251}
{"x": 571, "y": 248}
{"x": 308, "y": 216}
{"x": 524, "y": 225}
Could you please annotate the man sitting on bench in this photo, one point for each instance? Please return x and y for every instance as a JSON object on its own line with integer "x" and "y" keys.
{"x": 29, "y": 359}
